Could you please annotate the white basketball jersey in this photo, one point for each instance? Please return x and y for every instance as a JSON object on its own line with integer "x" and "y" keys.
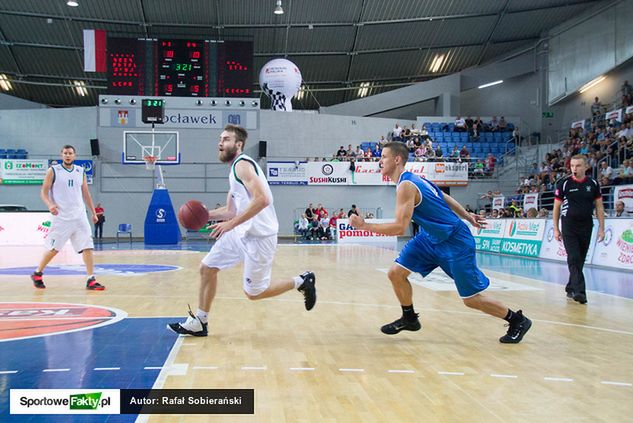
{"x": 66, "y": 192}
{"x": 263, "y": 223}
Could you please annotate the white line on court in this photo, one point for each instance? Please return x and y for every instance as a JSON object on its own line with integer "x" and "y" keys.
{"x": 56, "y": 370}
{"x": 351, "y": 370}
{"x": 205, "y": 367}
{"x": 451, "y": 373}
{"x": 155, "y": 368}
{"x": 400, "y": 371}
{"x": 503, "y": 376}
{"x": 7, "y": 372}
{"x": 559, "y": 379}
{"x": 302, "y": 369}
{"x": 607, "y": 382}
{"x": 254, "y": 368}
{"x": 102, "y": 369}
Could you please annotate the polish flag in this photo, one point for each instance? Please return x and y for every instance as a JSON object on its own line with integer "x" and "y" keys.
{"x": 94, "y": 50}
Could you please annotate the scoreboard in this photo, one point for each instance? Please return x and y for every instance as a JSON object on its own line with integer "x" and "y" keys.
{"x": 180, "y": 67}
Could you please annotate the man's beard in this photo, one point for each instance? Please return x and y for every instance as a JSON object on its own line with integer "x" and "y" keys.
{"x": 228, "y": 154}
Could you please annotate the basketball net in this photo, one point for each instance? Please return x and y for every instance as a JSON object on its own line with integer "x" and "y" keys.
{"x": 150, "y": 162}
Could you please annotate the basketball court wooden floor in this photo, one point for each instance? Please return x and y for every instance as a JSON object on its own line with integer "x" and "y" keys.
{"x": 330, "y": 364}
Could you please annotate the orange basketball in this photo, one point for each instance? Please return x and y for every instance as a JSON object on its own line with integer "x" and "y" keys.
{"x": 193, "y": 215}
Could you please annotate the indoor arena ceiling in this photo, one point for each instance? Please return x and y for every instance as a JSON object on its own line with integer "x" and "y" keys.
{"x": 344, "y": 48}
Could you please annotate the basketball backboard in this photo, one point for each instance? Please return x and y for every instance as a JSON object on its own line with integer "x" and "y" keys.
{"x": 161, "y": 144}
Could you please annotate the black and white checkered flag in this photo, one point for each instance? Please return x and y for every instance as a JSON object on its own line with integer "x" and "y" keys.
{"x": 278, "y": 100}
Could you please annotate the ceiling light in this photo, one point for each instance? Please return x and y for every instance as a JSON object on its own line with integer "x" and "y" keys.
{"x": 80, "y": 87}
{"x": 278, "y": 10}
{"x": 72, "y": 3}
{"x": 490, "y": 84}
{"x": 364, "y": 89}
{"x": 5, "y": 83}
{"x": 302, "y": 93}
{"x": 592, "y": 83}
{"x": 437, "y": 62}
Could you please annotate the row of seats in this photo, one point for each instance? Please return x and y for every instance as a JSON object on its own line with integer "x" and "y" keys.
{"x": 13, "y": 154}
{"x": 450, "y": 127}
{"x": 497, "y": 137}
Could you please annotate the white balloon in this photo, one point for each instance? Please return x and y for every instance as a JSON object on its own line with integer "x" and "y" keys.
{"x": 281, "y": 80}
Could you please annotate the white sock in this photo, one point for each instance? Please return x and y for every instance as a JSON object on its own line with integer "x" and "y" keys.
{"x": 298, "y": 281}
{"x": 202, "y": 315}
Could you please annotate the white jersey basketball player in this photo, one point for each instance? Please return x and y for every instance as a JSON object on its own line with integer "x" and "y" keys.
{"x": 247, "y": 234}
{"x": 65, "y": 193}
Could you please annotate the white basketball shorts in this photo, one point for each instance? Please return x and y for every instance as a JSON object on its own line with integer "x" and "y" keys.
{"x": 257, "y": 253}
{"x": 77, "y": 230}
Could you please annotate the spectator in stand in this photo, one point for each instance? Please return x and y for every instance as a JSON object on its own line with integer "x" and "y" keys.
{"x": 460, "y": 124}
{"x": 478, "y": 127}
{"x": 491, "y": 161}
{"x": 469, "y": 125}
{"x": 596, "y": 108}
{"x": 627, "y": 172}
{"x": 333, "y": 220}
{"x": 359, "y": 153}
{"x": 619, "y": 209}
{"x": 438, "y": 153}
{"x": 424, "y": 133}
{"x": 584, "y": 148}
{"x": 543, "y": 213}
{"x": 455, "y": 154}
{"x": 515, "y": 210}
{"x": 406, "y": 134}
{"x": 626, "y": 90}
{"x": 368, "y": 155}
{"x": 396, "y": 133}
{"x": 494, "y": 124}
{"x": 341, "y": 153}
{"x": 606, "y": 171}
{"x": 419, "y": 153}
{"x": 625, "y": 131}
{"x": 516, "y": 135}
{"x": 376, "y": 153}
{"x": 309, "y": 212}
{"x": 482, "y": 213}
{"x": 468, "y": 209}
{"x": 503, "y": 125}
{"x": 478, "y": 169}
{"x": 350, "y": 151}
{"x": 352, "y": 211}
{"x": 464, "y": 154}
{"x": 494, "y": 214}
{"x": 430, "y": 153}
{"x": 303, "y": 226}
{"x": 411, "y": 145}
{"x": 324, "y": 229}
{"x": 415, "y": 134}
{"x": 532, "y": 213}
{"x": 315, "y": 232}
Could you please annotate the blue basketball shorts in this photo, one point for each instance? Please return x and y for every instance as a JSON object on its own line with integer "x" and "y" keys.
{"x": 455, "y": 255}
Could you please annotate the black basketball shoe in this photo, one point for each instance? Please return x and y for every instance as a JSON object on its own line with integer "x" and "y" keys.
{"x": 38, "y": 281}
{"x": 192, "y": 326}
{"x": 516, "y": 330}
{"x": 400, "y": 325}
{"x": 93, "y": 285}
{"x": 308, "y": 288}
{"x": 580, "y": 298}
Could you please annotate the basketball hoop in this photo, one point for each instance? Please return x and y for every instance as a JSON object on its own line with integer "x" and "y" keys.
{"x": 150, "y": 162}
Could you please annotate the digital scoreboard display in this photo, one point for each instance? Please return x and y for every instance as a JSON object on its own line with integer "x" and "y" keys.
{"x": 180, "y": 67}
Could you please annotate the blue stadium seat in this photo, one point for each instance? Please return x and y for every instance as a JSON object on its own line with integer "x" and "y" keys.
{"x": 21, "y": 153}
{"x": 11, "y": 153}
{"x": 3, "y": 153}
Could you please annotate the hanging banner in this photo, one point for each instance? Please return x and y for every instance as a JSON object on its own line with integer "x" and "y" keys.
{"x": 530, "y": 201}
{"x": 555, "y": 250}
{"x": 624, "y": 193}
{"x": 498, "y": 202}
{"x": 614, "y": 114}
{"x": 364, "y": 173}
{"x": 628, "y": 110}
{"x": 22, "y": 172}
{"x": 617, "y": 248}
{"x": 523, "y": 237}
{"x": 578, "y": 124}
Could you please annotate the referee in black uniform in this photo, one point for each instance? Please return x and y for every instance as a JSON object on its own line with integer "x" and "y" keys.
{"x": 573, "y": 200}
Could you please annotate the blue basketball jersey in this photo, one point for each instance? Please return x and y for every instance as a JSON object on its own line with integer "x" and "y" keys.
{"x": 433, "y": 214}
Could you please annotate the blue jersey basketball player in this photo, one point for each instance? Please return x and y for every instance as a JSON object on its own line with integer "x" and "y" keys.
{"x": 444, "y": 240}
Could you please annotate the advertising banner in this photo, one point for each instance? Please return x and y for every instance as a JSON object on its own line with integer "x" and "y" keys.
{"x": 617, "y": 248}
{"x": 489, "y": 238}
{"x": 88, "y": 166}
{"x": 624, "y": 193}
{"x": 555, "y": 250}
{"x": 347, "y": 234}
{"x": 614, "y": 114}
{"x": 530, "y": 201}
{"x": 365, "y": 173}
{"x": 628, "y": 110}
{"x": 22, "y": 172}
{"x": 523, "y": 237}
{"x": 498, "y": 202}
{"x": 287, "y": 173}
{"x": 578, "y": 124}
